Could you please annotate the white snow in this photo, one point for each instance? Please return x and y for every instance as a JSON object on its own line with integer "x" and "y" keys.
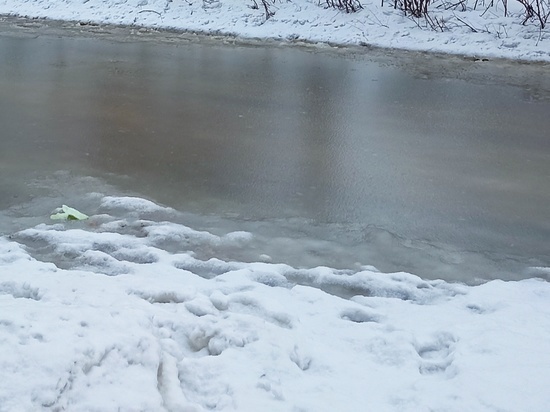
{"x": 129, "y": 319}
{"x": 473, "y": 28}
{"x": 123, "y": 312}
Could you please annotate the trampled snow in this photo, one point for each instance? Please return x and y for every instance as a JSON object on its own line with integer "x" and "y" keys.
{"x": 473, "y": 28}
{"x": 129, "y": 318}
{"x": 133, "y": 311}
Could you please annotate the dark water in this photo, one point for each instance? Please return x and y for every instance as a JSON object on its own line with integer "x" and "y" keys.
{"x": 437, "y": 168}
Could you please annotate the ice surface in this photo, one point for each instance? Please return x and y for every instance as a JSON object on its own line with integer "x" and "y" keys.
{"x": 117, "y": 312}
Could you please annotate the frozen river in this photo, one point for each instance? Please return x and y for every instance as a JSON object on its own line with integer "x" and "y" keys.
{"x": 438, "y": 167}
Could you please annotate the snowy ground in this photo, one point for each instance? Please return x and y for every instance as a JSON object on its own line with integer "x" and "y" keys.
{"x": 473, "y": 28}
{"x": 130, "y": 319}
{"x": 123, "y": 312}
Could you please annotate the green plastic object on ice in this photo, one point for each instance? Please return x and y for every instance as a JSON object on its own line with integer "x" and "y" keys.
{"x": 68, "y": 213}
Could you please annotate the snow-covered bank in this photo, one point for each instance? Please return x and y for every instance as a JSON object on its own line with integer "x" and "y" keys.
{"x": 469, "y": 28}
{"x": 130, "y": 319}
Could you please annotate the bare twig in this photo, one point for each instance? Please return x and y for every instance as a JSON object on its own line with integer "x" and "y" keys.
{"x": 460, "y": 3}
{"x": 536, "y": 10}
{"x": 267, "y": 8}
{"x": 540, "y": 36}
{"x": 150, "y": 11}
{"x": 377, "y": 20}
{"x": 417, "y": 8}
{"x": 486, "y": 9}
{"x": 466, "y": 24}
{"x": 349, "y": 6}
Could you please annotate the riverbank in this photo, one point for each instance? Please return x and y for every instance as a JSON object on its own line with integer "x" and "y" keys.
{"x": 481, "y": 32}
{"x": 144, "y": 307}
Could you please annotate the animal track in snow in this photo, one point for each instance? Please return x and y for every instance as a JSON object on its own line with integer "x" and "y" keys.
{"x": 480, "y": 310}
{"x": 359, "y": 316}
{"x": 272, "y": 386}
{"x": 162, "y": 296}
{"x": 301, "y": 360}
{"x": 215, "y": 337}
{"x": 437, "y": 356}
{"x": 245, "y": 304}
{"x": 17, "y": 291}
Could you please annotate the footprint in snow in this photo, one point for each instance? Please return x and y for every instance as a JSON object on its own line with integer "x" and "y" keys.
{"x": 437, "y": 356}
{"x": 18, "y": 291}
{"x": 359, "y": 316}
